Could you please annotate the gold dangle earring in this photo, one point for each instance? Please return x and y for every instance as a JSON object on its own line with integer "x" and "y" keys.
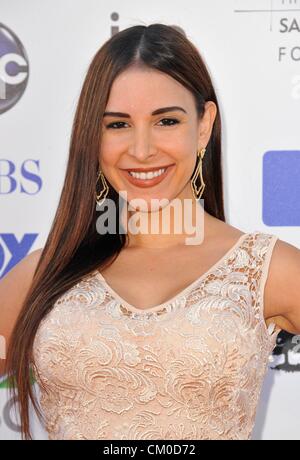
{"x": 104, "y": 191}
{"x": 197, "y": 192}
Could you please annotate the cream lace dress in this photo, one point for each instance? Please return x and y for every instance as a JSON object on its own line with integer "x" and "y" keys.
{"x": 191, "y": 368}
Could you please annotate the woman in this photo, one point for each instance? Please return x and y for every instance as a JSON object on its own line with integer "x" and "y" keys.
{"x": 142, "y": 335}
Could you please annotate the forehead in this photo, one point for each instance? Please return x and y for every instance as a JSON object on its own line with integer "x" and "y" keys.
{"x": 147, "y": 90}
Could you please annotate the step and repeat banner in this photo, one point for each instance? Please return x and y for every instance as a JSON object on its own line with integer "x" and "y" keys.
{"x": 252, "y": 50}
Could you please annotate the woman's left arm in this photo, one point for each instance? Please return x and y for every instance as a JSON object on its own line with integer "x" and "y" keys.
{"x": 282, "y": 290}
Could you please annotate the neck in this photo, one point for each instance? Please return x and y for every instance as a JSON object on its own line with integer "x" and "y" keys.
{"x": 179, "y": 223}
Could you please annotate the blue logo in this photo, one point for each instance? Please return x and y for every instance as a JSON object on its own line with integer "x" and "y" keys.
{"x": 281, "y": 188}
{"x": 9, "y": 180}
{"x": 15, "y": 249}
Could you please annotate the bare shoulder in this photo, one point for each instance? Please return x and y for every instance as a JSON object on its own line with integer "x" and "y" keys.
{"x": 282, "y": 293}
{"x": 13, "y": 290}
{"x": 221, "y": 232}
{"x": 23, "y": 269}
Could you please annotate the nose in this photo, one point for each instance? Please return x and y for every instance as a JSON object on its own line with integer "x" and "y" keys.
{"x": 141, "y": 148}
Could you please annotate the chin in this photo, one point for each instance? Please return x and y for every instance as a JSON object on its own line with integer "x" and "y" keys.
{"x": 146, "y": 204}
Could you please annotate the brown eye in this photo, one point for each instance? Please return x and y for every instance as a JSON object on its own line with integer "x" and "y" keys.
{"x": 115, "y": 123}
{"x": 170, "y": 120}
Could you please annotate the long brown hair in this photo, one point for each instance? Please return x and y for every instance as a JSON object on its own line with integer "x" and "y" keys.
{"x": 74, "y": 248}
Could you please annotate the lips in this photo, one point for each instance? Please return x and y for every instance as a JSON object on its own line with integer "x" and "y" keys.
{"x": 154, "y": 168}
{"x": 145, "y": 183}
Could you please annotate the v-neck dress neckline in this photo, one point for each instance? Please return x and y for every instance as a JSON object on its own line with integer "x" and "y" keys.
{"x": 179, "y": 295}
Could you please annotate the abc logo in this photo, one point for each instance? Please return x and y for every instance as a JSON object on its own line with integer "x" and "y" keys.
{"x": 14, "y": 69}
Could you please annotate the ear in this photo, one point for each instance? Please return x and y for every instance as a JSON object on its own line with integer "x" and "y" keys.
{"x": 206, "y": 123}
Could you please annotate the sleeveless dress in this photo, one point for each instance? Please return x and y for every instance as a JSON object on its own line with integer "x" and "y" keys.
{"x": 191, "y": 368}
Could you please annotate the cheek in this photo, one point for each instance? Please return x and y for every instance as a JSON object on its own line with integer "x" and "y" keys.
{"x": 109, "y": 154}
{"x": 184, "y": 154}
{"x": 182, "y": 146}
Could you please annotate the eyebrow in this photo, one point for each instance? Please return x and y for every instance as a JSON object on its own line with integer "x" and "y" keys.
{"x": 155, "y": 112}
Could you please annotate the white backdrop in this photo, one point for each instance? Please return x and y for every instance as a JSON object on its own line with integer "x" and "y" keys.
{"x": 252, "y": 50}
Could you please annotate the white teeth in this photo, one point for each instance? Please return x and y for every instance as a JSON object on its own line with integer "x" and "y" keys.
{"x": 148, "y": 175}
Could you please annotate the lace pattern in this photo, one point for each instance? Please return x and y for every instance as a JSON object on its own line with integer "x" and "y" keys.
{"x": 192, "y": 369}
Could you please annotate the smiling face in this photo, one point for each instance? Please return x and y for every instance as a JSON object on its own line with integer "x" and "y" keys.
{"x": 155, "y": 125}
